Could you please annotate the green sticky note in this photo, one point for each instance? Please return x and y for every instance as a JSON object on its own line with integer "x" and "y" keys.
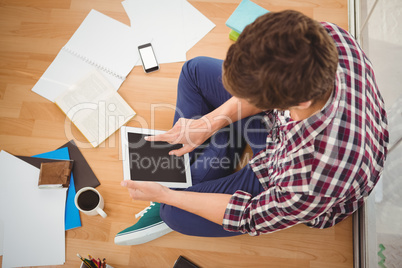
{"x": 233, "y": 35}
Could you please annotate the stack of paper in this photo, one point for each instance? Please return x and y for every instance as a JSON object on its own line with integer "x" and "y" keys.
{"x": 24, "y": 207}
{"x": 32, "y": 220}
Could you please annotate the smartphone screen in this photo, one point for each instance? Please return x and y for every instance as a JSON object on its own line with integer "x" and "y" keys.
{"x": 149, "y": 62}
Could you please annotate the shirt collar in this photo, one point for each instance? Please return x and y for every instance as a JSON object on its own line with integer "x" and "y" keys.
{"x": 299, "y": 133}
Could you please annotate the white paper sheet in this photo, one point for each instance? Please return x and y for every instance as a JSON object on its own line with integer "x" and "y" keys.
{"x": 196, "y": 25}
{"x": 163, "y": 21}
{"x": 2, "y": 203}
{"x": 100, "y": 42}
{"x": 33, "y": 218}
{"x": 193, "y": 23}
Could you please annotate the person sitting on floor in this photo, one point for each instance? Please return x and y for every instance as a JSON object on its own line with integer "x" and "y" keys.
{"x": 303, "y": 95}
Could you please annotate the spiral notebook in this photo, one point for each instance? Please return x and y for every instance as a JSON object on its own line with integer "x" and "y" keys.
{"x": 100, "y": 43}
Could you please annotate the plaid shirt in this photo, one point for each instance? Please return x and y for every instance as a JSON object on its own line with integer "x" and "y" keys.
{"x": 319, "y": 170}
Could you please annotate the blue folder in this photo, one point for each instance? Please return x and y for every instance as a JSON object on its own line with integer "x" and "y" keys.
{"x": 72, "y": 215}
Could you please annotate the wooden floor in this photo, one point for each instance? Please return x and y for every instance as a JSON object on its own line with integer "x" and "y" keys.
{"x": 31, "y": 34}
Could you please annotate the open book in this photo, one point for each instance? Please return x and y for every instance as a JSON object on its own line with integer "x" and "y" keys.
{"x": 95, "y": 108}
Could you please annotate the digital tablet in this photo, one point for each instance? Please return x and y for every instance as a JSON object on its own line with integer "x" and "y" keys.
{"x": 150, "y": 161}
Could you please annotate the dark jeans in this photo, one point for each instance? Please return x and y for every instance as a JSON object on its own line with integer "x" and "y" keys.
{"x": 200, "y": 91}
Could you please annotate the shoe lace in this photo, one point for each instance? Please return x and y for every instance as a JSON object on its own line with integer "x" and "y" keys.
{"x": 145, "y": 210}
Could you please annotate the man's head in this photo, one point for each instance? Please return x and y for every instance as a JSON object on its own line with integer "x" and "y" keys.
{"x": 281, "y": 60}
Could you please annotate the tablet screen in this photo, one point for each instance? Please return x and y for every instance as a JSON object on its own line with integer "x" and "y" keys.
{"x": 150, "y": 161}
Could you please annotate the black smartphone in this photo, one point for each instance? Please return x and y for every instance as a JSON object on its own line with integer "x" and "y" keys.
{"x": 147, "y": 55}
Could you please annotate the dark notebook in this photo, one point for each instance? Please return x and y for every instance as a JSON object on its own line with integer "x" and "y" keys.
{"x": 83, "y": 174}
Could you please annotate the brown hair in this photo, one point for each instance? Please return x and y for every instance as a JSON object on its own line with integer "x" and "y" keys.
{"x": 280, "y": 60}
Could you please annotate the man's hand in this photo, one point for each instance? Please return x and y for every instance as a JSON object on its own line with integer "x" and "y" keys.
{"x": 208, "y": 205}
{"x": 194, "y": 132}
{"x": 146, "y": 191}
{"x": 189, "y": 132}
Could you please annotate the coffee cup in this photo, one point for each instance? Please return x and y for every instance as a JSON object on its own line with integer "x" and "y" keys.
{"x": 89, "y": 201}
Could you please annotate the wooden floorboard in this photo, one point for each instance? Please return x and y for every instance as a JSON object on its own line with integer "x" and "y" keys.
{"x": 31, "y": 34}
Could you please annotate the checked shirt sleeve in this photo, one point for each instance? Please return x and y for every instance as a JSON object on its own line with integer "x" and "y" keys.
{"x": 274, "y": 209}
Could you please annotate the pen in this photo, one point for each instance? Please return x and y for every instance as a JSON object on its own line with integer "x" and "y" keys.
{"x": 84, "y": 261}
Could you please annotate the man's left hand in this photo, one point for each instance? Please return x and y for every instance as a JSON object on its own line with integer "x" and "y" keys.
{"x": 146, "y": 191}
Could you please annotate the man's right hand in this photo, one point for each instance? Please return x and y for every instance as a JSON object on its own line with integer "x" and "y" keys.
{"x": 194, "y": 132}
{"x": 189, "y": 132}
